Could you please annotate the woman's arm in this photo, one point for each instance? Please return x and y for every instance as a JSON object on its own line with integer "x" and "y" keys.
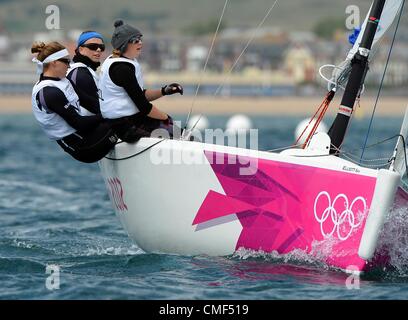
{"x": 153, "y": 94}
{"x": 157, "y": 114}
{"x": 52, "y": 99}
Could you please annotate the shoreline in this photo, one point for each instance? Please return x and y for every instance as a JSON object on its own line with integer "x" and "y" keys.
{"x": 289, "y": 106}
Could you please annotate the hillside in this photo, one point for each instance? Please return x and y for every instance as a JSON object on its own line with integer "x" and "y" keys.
{"x": 174, "y": 16}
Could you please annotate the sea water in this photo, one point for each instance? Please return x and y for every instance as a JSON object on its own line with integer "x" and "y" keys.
{"x": 56, "y": 220}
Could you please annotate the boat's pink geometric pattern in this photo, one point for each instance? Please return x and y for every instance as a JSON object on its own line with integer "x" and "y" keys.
{"x": 280, "y": 210}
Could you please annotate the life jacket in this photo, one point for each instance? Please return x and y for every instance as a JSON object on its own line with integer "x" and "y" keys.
{"x": 77, "y": 65}
{"x": 54, "y": 126}
{"x": 115, "y": 102}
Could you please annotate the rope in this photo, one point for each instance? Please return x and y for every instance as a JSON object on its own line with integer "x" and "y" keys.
{"x": 323, "y": 107}
{"x": 330, "y": 81}
{"x": 341, "y": 80}
{"x": 382, "y": 79}
{"x": 136, "y": 154}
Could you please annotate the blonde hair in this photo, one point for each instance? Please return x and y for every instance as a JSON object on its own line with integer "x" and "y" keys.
{"x": 45, "y": 50}
{"x": 116, "y": 53}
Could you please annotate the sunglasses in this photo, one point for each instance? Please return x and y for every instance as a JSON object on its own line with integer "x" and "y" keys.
{"x": 65, "y": 60}
{"x": 135, "y": 40}
{"x": 94, "y": 46}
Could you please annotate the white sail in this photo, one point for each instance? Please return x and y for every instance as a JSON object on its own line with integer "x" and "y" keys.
{"x": 342, "y": 71}
{"x": 391, "y": 10}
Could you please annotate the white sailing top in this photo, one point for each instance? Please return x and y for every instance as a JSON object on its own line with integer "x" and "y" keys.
{"x": 54, "y": 126}
{"x": 116, "y": 103}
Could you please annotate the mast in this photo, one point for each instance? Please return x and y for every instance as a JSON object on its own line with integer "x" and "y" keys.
{"x": 356, "y": 79}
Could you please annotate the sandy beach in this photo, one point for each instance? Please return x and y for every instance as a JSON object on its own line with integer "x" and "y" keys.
{"x": 289, "y": 106}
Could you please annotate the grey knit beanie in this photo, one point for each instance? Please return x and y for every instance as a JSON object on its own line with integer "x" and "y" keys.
{"x": 123, "y": 34}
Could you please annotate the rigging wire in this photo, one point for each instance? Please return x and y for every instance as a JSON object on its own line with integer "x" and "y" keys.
{"x": 382, "y": 79}
{"x": 205, "y": 65}
{"x": 354, "y": 158}
{"x": 239, "y": 57}
{"x": 349, "y": 155}
{"x": 247, "y": 45}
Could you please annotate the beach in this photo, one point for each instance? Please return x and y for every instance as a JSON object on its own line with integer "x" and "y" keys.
{"x": 289, "y": 106}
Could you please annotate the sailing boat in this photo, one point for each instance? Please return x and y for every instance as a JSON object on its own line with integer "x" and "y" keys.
{"x": 192, "y": 198}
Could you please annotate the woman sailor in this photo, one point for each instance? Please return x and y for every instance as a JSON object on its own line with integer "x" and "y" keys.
{"x": 82, "y": 73}
{"x": 57, "y": 108}
{"x": 122, "y": 87}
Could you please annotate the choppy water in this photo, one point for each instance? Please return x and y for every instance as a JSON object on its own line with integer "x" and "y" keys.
{"x": 55, "y": 211}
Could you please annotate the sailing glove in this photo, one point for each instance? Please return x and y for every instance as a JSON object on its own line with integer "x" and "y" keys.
{"x": 172, "y": 89}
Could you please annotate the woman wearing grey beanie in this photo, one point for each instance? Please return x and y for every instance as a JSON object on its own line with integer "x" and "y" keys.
{"x": 125, "y": 101}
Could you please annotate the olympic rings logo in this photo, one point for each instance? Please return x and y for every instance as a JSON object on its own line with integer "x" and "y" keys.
{"x": 340, "y": 221}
